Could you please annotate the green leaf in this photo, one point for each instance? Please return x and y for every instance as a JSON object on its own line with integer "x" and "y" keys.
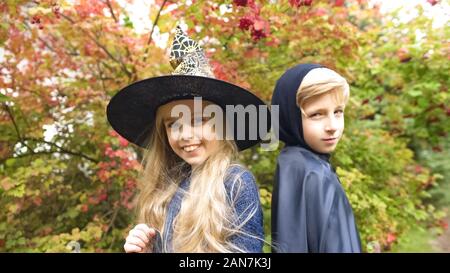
{"x": 4, "y": 98}
{"x": 127, "y": 22}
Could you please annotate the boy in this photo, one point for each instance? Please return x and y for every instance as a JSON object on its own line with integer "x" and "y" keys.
{"x": 310, "y": 211}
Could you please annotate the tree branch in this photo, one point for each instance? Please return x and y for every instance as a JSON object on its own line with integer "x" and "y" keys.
{"x": 61, "y": 149}
{"x": 50, "y": 153}
{"x": 16, "y": 127}
{"x": 23, "y": 140}
{"x": 100, "y": 72}
{"x": 47, "y": 45}
{"x": 113, "y": 219}
{"x": 112, "y": 11}
{"x": 155, "y": 23}
{"x": 11, "y": 116}
{"x": 111, "y": 225}
{"x": 120, "y": 62}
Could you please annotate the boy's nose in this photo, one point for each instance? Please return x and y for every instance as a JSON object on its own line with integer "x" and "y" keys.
{"x": 331, "y": 124}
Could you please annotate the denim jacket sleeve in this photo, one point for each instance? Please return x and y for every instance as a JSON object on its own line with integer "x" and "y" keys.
{"x": 243, "y": 195}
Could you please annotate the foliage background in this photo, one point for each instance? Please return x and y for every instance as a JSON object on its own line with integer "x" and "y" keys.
{"x": 66, "y": 176}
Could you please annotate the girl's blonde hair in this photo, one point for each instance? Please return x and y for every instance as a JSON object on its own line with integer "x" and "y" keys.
{"x": 320, "y": 81}
{"x": 206, "y": 219}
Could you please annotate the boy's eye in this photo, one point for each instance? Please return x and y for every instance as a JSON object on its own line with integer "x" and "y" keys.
{"x": 315, "y": 115}
{"x": 339, "y": 112}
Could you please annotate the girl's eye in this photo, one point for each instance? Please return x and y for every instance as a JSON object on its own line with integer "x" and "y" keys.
{"x": 339, "y": 112}
{"x": 200, "y": 120}
{"x": 315, "y": 115}
{"x": 174, "y": 125}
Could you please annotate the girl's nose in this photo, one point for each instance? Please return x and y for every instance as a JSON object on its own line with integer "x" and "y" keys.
{"x": 187, "y": 132}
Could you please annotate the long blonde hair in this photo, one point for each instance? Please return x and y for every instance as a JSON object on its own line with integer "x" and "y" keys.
{"x": 206, "y": 219}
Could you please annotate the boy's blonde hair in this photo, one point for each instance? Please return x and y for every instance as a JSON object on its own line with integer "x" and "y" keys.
{"x": 320, "y": 81}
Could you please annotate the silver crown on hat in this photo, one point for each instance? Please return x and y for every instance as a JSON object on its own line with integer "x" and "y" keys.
{"x": 187, "y": 57}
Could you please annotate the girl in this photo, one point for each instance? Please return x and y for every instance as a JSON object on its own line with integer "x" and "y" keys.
{"x": 193, "y": 196}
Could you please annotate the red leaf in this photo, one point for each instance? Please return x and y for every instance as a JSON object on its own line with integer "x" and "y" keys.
{"x": 123, "y": 142}
{"x": 339, "y": 3}
{"x": 321, "y": 12}
{"x": 257, "y": 34}
{"x": 299, "y": 3}
{"x": 240, "y": 3}
{"x": 245, "y": 23}
{"x": 433, "y": 2}
{"x": 391, "y": 238}
{"x": 102, "y": 197}
{"x": 403, "y": 55}
{"x": 258, "y": 25}
{"x": 84, "y": 208}
{"x": 37, "y": 201}
{"x": 418, "y": 169}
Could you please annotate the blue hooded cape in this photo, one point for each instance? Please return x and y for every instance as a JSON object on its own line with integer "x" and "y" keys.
{"x": 310, "y": 211}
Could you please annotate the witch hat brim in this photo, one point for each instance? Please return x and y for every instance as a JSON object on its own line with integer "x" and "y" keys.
{"x": 132, "y": 111}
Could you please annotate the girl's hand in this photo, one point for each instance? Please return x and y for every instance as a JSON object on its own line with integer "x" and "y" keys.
{"x": 139, "y": 239}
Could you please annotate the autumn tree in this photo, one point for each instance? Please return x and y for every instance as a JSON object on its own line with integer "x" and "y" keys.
{"x": 65, "y": 175}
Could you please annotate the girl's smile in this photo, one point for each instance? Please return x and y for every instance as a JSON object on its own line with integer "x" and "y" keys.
{"x": 192, "y": 139}
{"x": 190, "y": 148}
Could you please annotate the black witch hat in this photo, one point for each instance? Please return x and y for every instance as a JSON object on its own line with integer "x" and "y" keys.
{"x": 132, "y": 111}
